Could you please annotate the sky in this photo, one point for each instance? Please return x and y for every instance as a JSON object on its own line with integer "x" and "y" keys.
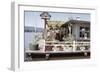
{"x": 32, "y": 18}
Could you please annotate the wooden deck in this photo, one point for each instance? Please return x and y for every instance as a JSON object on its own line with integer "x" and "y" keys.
{"x": 49, "y": 55}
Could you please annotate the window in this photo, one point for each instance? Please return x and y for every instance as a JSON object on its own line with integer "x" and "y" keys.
{"x": 84, "y": 32}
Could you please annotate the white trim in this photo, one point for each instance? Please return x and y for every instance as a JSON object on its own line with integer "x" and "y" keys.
{"x": 14, "y": 34}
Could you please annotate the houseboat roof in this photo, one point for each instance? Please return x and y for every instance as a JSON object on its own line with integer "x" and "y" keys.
{"x": 75, "y": 22}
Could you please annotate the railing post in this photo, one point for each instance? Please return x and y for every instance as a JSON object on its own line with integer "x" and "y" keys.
{"x": 74, "y": 46}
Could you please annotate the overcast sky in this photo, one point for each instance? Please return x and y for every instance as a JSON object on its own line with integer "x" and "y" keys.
{"x": 33, "y": 18}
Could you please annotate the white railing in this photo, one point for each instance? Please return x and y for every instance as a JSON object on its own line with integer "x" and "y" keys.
{"x": 73, "y": 46}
